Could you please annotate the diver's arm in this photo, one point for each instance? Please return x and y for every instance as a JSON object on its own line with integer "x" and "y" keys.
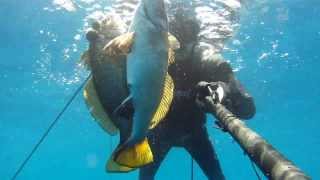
{"x": 236, "y": 98}
{"x": 239, "y": 101}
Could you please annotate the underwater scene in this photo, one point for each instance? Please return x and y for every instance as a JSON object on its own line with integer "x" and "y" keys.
{"x": 103, "y": 89}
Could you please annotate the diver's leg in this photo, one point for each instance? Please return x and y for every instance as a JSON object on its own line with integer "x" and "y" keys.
{"x": 160, "y": 147}
{"x": 202, "y": 151}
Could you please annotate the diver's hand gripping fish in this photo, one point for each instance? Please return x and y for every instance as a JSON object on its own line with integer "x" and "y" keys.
{"x": 150, "y": 86}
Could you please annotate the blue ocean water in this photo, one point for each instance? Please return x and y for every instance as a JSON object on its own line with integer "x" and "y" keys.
{"x": 275, "y": 53}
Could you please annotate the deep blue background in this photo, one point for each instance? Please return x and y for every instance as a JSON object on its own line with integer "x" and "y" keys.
{"x": 285, "y": 83}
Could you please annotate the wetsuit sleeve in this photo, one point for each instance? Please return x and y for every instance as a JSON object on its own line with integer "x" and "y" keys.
{"x": 237, "y": 99}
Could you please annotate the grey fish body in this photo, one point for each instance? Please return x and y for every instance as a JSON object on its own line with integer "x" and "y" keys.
{"x": 147, "y": 64}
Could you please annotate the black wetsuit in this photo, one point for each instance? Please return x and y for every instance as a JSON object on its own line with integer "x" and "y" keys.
{"x": 184, "y": 125}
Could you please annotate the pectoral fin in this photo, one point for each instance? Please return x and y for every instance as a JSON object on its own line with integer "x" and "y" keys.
{"x": 120, "y": 45}
{"x": 125, "y": 109}
{"x": 97, "y": 110}
{"x": 134, "y": 156}
{"x": 165, "y": 102}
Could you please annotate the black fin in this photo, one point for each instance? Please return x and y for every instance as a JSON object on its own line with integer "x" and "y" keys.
{"x": 125, "y": 109}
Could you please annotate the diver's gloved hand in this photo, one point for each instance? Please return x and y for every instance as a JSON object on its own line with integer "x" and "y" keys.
{"x": 206, "y": 92}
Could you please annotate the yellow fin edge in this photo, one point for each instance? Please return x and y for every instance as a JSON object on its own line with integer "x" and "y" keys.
{"x": 165, "y": 103}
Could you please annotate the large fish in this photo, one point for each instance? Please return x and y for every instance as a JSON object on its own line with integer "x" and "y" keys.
{"x": 150, "y": 86}
{"x": 107, "y": 87}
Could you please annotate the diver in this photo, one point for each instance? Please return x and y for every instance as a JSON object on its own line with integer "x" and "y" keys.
{"x": 184, "y": 125}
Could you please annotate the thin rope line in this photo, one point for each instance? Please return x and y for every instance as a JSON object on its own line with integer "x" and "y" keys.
{"x": 255, "y": 169}
{"x": 49, "y": 129}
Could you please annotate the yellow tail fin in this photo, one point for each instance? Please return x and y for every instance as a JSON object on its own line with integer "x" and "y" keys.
{"x": 114, "y": 167}
{"x": 136, "y": 156}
